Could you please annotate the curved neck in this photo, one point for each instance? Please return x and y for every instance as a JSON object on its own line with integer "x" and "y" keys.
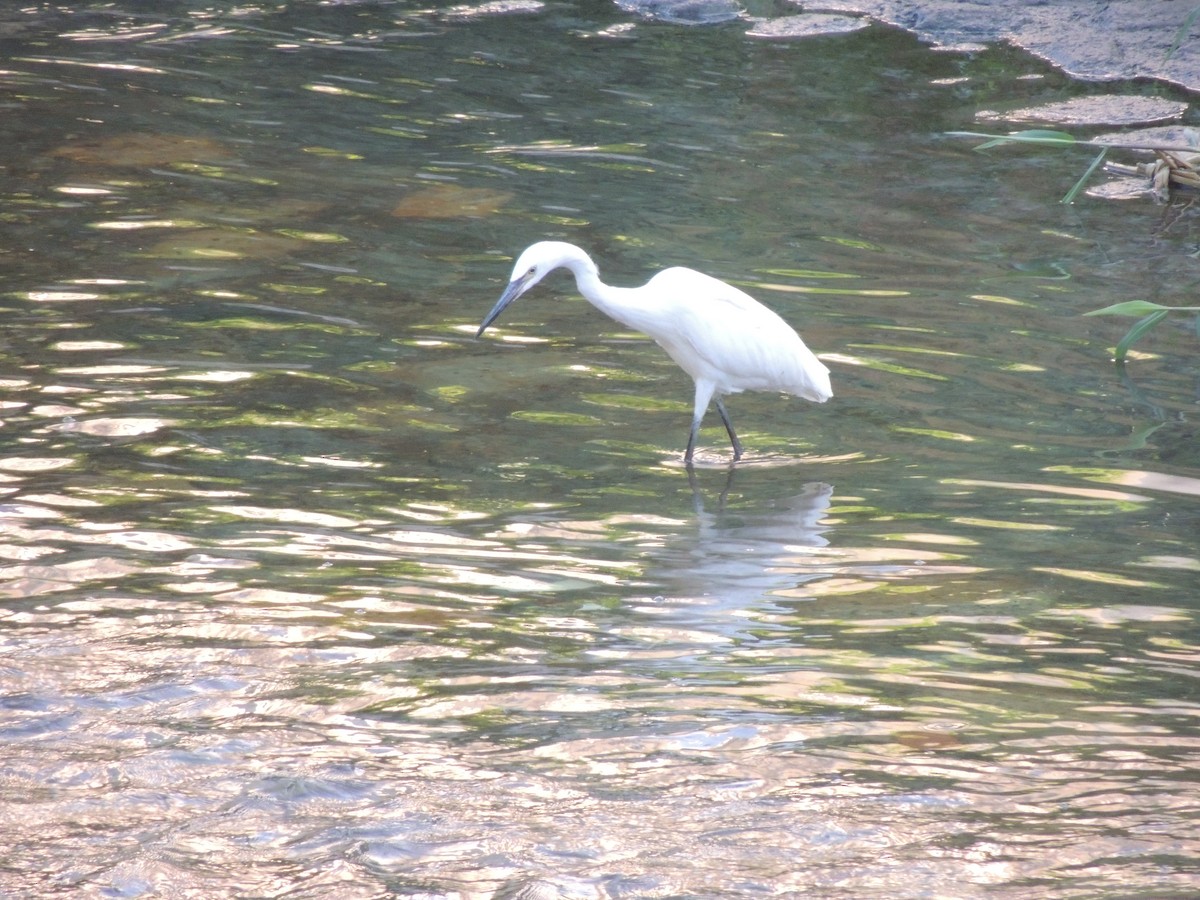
{"x": 615, "y": 302}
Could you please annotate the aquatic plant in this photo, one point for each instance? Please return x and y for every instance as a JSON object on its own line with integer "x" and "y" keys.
{"x": 1150, "y": 315}
{"x": 1178, "y": 166}
{"x": 1172, "y": 166}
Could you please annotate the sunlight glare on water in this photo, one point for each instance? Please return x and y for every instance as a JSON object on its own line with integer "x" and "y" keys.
{"x": 309, "y": 593}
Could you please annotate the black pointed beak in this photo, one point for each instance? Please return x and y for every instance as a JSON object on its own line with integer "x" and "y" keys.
{"x": 515, "y": 289}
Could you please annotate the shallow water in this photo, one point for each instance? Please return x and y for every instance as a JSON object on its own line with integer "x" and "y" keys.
{"x": 310, "y": 593}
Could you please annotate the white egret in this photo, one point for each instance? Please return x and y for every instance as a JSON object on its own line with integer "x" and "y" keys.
{"x": 721, "y": 336}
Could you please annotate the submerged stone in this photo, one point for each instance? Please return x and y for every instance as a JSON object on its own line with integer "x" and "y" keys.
{"x": 1159, "y": 136}
{"x": 1102, "y": 109}
{"x": 808, "y": 25}
{"x": 143, "y": 149}
{"x": 451, "y": 201}
{"x": 684, "y": 12}
{"x": 225, "y": 244}
{"x": 495, "y": 8}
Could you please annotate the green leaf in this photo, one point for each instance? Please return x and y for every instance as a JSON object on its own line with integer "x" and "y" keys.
{"x": 1137, "y": 331}
{"x": 1031, "y": 136}
{"x": 1074, "y": 192}
{"x": 1141, "y": 438}
{"x": 1129, "y": 308}
{"x": 1043, "y": 136}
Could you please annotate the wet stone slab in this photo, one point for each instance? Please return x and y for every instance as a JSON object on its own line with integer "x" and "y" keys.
{"x": 1088, "y": 40}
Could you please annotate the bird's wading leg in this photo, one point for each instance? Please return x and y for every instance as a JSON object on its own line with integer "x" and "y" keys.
{"x": 691, "y": 447}
{"x": 737, "y": 445}
{"x": 704, "y": 392}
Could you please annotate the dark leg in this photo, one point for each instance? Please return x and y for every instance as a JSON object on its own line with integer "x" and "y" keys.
{"x": 737, "y": 445}
{"x": 691, "y": 447}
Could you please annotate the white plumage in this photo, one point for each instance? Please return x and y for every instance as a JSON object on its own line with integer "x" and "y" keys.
{"x": 721, "y": 336}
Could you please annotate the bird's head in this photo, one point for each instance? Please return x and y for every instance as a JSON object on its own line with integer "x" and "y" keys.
{"x": 538, "y": 261}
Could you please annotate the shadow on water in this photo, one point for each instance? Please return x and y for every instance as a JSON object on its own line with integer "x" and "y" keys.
{"x": 308, "y": 592}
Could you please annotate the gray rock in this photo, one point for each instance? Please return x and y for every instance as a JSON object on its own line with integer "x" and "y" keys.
{"x": 807, "y": 25}
{"x": 684, "y": 12}
{"x": 1087, "y": 39}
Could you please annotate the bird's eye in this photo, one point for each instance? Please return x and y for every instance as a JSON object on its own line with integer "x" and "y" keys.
{"x": 532, "y": 270}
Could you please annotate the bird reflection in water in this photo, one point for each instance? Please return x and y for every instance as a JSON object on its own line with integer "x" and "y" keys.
{"x": 744, "y": 558}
